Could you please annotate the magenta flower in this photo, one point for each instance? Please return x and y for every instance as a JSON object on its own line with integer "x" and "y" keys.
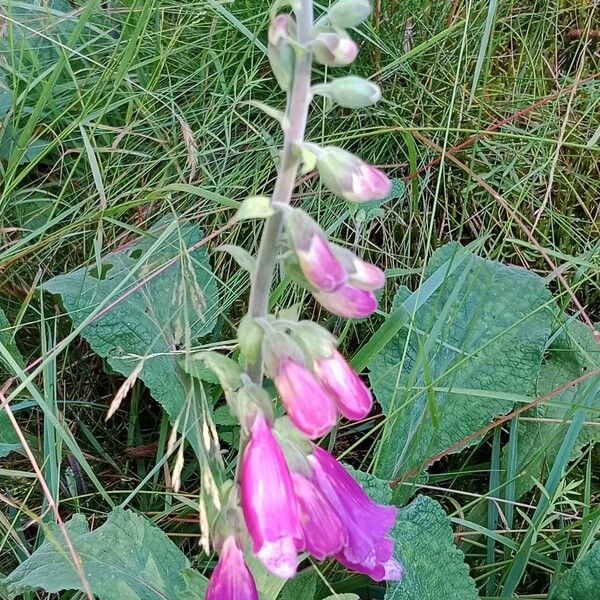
{"x": 351, "y": 396}
{"x": 307, "y": 403}
{"x": 367, "y": 524}
{"x": 268, "y": 503}
{"x": 320, "y": 266}
{"x": 322, "y": 531}
{"x": 231, "y": 578}
{"x": 348, "y": 302}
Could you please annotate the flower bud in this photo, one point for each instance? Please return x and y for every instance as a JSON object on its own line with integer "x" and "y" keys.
{"x": 349, "y": 13}
{"x": 350, "y": 92}
{"x": 351, "y": 178}
{"x": 280, "y": 52}
{"x": 361, "y": 274}
{"x": 313, "y": 252}
{"x": 250, "y": 335}
{"x": 350, "y": 395}
{"x": 334, "y": 49}
{"x": 348, "y": 302}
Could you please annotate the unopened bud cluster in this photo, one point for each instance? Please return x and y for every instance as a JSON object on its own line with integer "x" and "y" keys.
{"x": 290, "y": 496}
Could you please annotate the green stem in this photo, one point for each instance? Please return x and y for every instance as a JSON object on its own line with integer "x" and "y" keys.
{"x": 299, "y": 99}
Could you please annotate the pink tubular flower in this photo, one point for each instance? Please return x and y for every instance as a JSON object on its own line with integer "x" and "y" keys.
{"x": 361, "y": 274}
{"x": 322, "y": 531}
{"x": 268, "y": 503}
{"x": 231, "y": 578}
{"x": 350, "y": 177}
{"x": 307, "y": 403}
{"x": 320, "y": 266}
{"x": 367, "y": 524}
{"x": 368, "y": 183}
{"x": 348, "y": 302}
{"x": 351, "y": 396}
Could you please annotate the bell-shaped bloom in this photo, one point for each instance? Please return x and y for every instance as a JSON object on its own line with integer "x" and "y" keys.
{"x": 231, "y": 577}
{"x": 349, "y": 13}
{"x": 361, "y": 274}
{"x": 334, "y": 49}
{"x": 322, "y": 531}
{"x": 268, "y": 502}
{"x": 351, "y": 396}
{"x": 351, "y": 178}
{"x": 348, "y": 302}
{"x": 368, "y": 549}
{"x": 308, "y": 405}
{"x": 313, "y": 252}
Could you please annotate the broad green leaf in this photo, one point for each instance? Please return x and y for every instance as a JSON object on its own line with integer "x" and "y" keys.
{"x": 582, "y": 581}
{"x": 126, "y": 558}
{"x": 8, "y": 342}
{"x": 152, "y": 322}
{"x": 343, "y": 597}
{"x": 301, "y": 587}
{"x": 433, "y": 567}
{"x": 571, "y": 355}
{"x": 472, "y": 348}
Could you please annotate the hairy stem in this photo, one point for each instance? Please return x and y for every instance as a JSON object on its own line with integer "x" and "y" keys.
{"x": 299, "y": 99}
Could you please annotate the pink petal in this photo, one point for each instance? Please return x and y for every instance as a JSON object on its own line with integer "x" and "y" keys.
{"x": 320, "y": 266}
{"x": 351, "y": 396}
{"x": 268, "y": 502}
{"x": 231, "y": 577}
{"x": 306, "y": 402}
{"x": 348, "y": 302}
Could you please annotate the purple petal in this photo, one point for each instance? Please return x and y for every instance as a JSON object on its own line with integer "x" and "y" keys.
{"x": 231, "y": 577}
{"x": 348, "y": 302}
{"x": 324, "y": 534}
{"x": 268, "y": 502}
{"x": 365, "y": 521}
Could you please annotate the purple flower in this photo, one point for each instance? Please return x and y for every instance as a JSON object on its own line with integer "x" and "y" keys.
{"x": 322, "y": 531}
{"x": 307, "y": 403}
{"x": 348, "y": 302}
{"x": 351, "y": 396}
{"x": 231, "y": 578}
{"x": 268, "y": 503}
{"x": 367, "y": 524}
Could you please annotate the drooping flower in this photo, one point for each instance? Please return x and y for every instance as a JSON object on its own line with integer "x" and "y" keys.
{"x": 268, "y": 503}
{"x": 280, "y": 51}
{"x": 361, "y": 274}
{"x": 313, "y": 252}
{"x": 231, "y": 577}
{"x": 369, "y": 548}
{"x": 350, "y": 91}
{"x": 322, "y": 531}
{"x": 349, "y": 13}
{"x": 348, "y": 302}
{"x": 334, "y": 49}
{"x": 307, "y": 403}
{"x": 351, "y": 396}
{"x": 351, "y": 178}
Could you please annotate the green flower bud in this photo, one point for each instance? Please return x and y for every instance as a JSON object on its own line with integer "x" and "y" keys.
{"x": 250, "y": 335}
{"x": 280, "y": 51}
{"x": 334, "y": 49}
{"x": 350, "y": 92}
{"x": 349, "y": 13}
{"x": 251, "y": 400}
{"x": 318, "y": 342}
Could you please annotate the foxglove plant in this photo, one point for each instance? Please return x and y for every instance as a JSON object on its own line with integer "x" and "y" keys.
{"x": 290, "y": 496}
